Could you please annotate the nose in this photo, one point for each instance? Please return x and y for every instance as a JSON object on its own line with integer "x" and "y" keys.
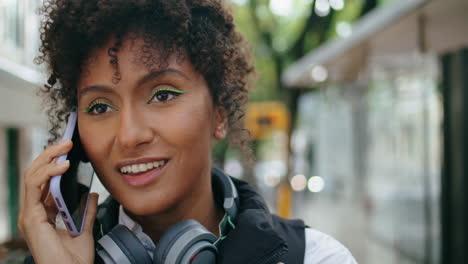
{"x": 133, "y": 131}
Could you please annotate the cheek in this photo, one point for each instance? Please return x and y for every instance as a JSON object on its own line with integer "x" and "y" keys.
{"x": 189, "y": 129}
{"x": 95, "y": 142}
{"x": 91, "y": 136}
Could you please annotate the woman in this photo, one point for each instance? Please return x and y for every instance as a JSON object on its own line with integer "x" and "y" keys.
{"x": 154, "y": 82}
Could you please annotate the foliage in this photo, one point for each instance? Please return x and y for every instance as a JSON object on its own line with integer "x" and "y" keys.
{"x": 279, "y": 38}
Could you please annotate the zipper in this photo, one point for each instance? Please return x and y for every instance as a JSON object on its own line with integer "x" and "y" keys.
{"x": 277, "y": 253}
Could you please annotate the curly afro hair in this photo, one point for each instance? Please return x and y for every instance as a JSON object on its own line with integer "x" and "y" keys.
{"x": 201, "y": 31}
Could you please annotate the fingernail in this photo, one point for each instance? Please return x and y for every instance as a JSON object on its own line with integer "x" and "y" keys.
{"x": 64, "y": 163}
{"x": 65, "y": 142}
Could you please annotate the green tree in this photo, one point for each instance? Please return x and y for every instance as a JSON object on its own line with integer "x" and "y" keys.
{"x": 279, "y": 40}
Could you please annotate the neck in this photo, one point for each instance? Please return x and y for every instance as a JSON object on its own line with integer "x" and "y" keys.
{"x": 198, "y": 205}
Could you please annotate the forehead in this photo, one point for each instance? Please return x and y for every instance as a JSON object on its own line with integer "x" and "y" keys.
{"x": 130, "y": 60}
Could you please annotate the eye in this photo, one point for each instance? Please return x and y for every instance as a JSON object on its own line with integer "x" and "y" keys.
{"x": 99, "y": 108}
{"x": 165, "y": 95}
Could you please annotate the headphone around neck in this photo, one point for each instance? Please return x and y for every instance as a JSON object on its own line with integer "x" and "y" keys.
{"x": 187, "y": 242}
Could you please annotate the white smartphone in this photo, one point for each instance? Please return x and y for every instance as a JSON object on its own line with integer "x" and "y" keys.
{"x": 71, "y": 190}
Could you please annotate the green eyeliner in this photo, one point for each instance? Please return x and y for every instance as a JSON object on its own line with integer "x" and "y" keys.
{"x": 170, "y": 90}
{"x": 178, "y": 92}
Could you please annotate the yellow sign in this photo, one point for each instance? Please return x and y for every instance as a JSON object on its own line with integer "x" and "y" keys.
{"x": 264, "y": 117}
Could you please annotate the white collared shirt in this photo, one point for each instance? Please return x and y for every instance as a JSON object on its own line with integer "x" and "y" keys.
{"x": 319, "y": 249}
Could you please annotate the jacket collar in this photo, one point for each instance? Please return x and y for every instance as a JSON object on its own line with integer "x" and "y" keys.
{"x": 254, "y": 240}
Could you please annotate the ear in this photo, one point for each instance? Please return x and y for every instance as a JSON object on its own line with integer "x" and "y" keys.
{"x": 220, "y": 123}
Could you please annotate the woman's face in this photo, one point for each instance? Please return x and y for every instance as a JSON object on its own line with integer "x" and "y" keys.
{"x": 149, "y": 135}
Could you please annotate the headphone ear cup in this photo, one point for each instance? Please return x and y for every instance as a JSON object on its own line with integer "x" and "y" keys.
{"x": 122, "y": 246}
{"x": 186, "y": 242}
{"x": 201, "y": 252}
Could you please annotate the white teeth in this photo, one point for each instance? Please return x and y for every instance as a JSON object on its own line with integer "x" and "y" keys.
{"x": 135, "y": 168}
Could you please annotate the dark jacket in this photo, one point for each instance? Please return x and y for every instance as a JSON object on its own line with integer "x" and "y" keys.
{"x": 259, "y": 236}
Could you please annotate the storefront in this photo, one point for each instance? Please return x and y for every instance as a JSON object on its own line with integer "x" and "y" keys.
{"x": 380, "y": 133}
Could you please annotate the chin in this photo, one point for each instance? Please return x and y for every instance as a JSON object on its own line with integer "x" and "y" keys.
{"x": 140, "y": 209}
{"x": 146, "y": 207}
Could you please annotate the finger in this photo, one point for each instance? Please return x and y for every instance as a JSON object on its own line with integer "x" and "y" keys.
{"x": 32, "y": 184}
{"x": 51, "y": 218}
{"x": 45, "y": 191}
{"x": 49, "y": 200}
{"x": 43, "y": 174}
{"x": 91, "y": 212}
{"x": 50, "y": 153}
{"x": 51, "y": 209}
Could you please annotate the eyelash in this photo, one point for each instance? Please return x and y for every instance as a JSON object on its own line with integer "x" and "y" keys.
{"x": 93, "y": 105}
{"x": 172, "y": 92}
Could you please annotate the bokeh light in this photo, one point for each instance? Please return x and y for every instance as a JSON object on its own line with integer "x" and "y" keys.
{"x": 281, "y": 7}
{"x": 319, "y": 73}
{"x": 239, "y": 2}
{"x": 316, "y": 184}
{"x": 272, "y": 179}
{"x": 344, "y": 29}
{"x": 322, "y": 7}
{"x": 337, "y": 4}
{"x": 298, "y": 182}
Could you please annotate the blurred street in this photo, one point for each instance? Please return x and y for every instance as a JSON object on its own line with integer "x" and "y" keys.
{"x": 357, "y": 116}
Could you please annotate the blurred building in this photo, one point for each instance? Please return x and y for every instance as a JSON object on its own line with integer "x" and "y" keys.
{"x": 385, "y": 134}
{"x": 22, "y": 122}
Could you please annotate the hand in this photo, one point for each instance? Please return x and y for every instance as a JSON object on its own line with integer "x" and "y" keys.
{"x": 38, "y": 211}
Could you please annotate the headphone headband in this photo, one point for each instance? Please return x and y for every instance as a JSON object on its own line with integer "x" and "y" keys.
{"x": 229, "y": 191}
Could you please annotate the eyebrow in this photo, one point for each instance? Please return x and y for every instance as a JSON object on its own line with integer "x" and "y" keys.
{"x": 155, "y": 74}
{"x": 95, "y": 88}
{"x": 148, "y": 77}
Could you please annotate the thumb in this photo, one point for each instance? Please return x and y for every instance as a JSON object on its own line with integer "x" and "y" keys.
{"x": 91, "y": 212}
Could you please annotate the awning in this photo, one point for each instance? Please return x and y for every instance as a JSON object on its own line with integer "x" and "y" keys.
{"x": 402, "y": 27}
{"x": 20, "y": 104}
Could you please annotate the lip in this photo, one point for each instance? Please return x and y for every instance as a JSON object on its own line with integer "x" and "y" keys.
{"x": 145, "y": 178}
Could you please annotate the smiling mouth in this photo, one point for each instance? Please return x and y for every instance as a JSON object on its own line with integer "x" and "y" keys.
{"x": 141, "y": 168}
